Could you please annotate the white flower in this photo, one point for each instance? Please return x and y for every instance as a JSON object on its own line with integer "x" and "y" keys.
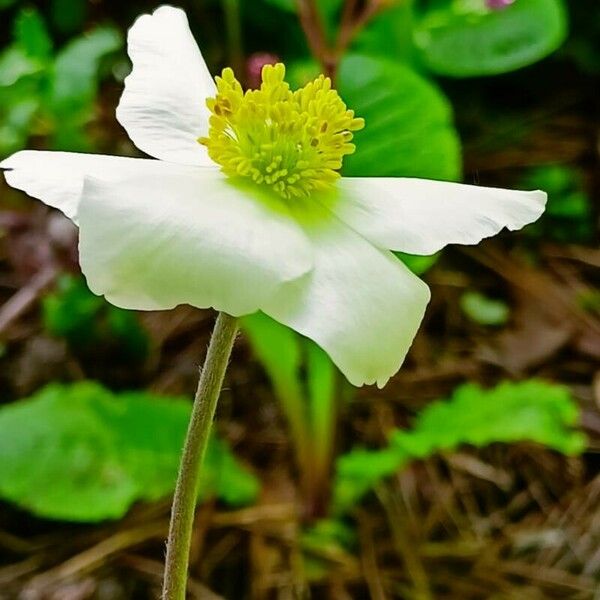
{"x": 158, "y": 233}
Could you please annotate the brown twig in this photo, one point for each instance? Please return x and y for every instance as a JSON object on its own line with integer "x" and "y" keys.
{"x": 310, "y": 19}
{"x": 153, "y": 570}
{"x": 351, "y": 23}
{"x": 405, "y": 546}
{"x": 25, "y": 298}
{"x": 97, "y": 555}
{"x": 371, "y": 571}
{"x": 354, "y": 23}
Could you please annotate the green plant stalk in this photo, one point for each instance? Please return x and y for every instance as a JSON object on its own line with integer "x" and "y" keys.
{"x": 233, "y": 26}
{"x": 186, "y": 490}
{"x": 323, "y": 410}
{"x": 293, "y": 406}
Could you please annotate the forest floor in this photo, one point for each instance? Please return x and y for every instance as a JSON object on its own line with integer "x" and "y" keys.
{"x": 507, "y": 522}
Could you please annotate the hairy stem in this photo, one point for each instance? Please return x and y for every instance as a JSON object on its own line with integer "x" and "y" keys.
{"x": 186, "y": 490}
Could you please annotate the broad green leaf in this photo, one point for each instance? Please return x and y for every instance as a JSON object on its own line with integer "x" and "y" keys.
{"x": 300, "y": 72}
{"x": 225, "y": 477}
{"x": 81, "y": 453}
{"x": 460, "y": 41}
{"x": 388, "y": 34}
{"x": 76, "y": 68}
{"x": 484, "y": 310}
{"x": 408, "y": 122}
{"x": 32, "y": 36}
{"x": 533, "y": 411}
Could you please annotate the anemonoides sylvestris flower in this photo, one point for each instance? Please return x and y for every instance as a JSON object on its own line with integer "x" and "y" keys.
{"x": 245, "y": 209}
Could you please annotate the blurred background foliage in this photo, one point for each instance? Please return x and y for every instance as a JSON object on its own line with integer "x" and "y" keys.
{"x": 474, "y": 469}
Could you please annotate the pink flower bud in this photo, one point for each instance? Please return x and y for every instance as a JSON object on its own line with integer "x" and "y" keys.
{"x": 498, "y": 4}
{"x": 254, "y": 65}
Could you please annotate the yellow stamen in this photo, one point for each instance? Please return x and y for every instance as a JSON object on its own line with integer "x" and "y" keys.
{"x": 293, "y": 142}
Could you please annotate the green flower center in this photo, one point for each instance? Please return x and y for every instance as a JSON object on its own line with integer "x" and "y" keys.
{"x": 292, "y": 142}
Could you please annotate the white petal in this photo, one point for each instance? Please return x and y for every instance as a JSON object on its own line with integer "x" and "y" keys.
{"x": 154, "y": 242}
{"x": 163, "y": 106}
{"x": 56, "y": 178}
{"x": 419, "y": 216}
{"x": 359, "y": 303}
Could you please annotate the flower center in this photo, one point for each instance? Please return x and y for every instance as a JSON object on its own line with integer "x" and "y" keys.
{"x": 292, "y": 142}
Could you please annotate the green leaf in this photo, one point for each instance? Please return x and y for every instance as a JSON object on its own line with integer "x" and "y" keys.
{"x": 279, "y": 350}
{"x": 304, "y": 381}
{"x": 15, "y": 65}
{"x": 326, "y": 537}
{"x": 408, "y": 122}
{"x": 418, "y": 264}
{"x": 74, "y": 87}
{"x": 32, "y": 36}
{"x": 225, "y": 477}
{"x": 71, "y": 309}
{"x": 300, "y": 72}
{"x": 21, "y": 81}
{"x": 321, "y": 378}
{"x": 328, "y": 533}
{"x": 359, "y": 471}
{"x": 15, "y": 120}
{"x": 76, "y": 68}
{"x": 534, "y": 411}
{"x": 389, "y": 34}
{"x": 484, "y": 310}
{"x": 81, "y": 453}
{"x": 463, "y": 42}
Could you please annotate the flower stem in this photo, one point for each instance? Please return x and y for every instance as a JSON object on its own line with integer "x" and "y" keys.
{"x": 186, "y": 490}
